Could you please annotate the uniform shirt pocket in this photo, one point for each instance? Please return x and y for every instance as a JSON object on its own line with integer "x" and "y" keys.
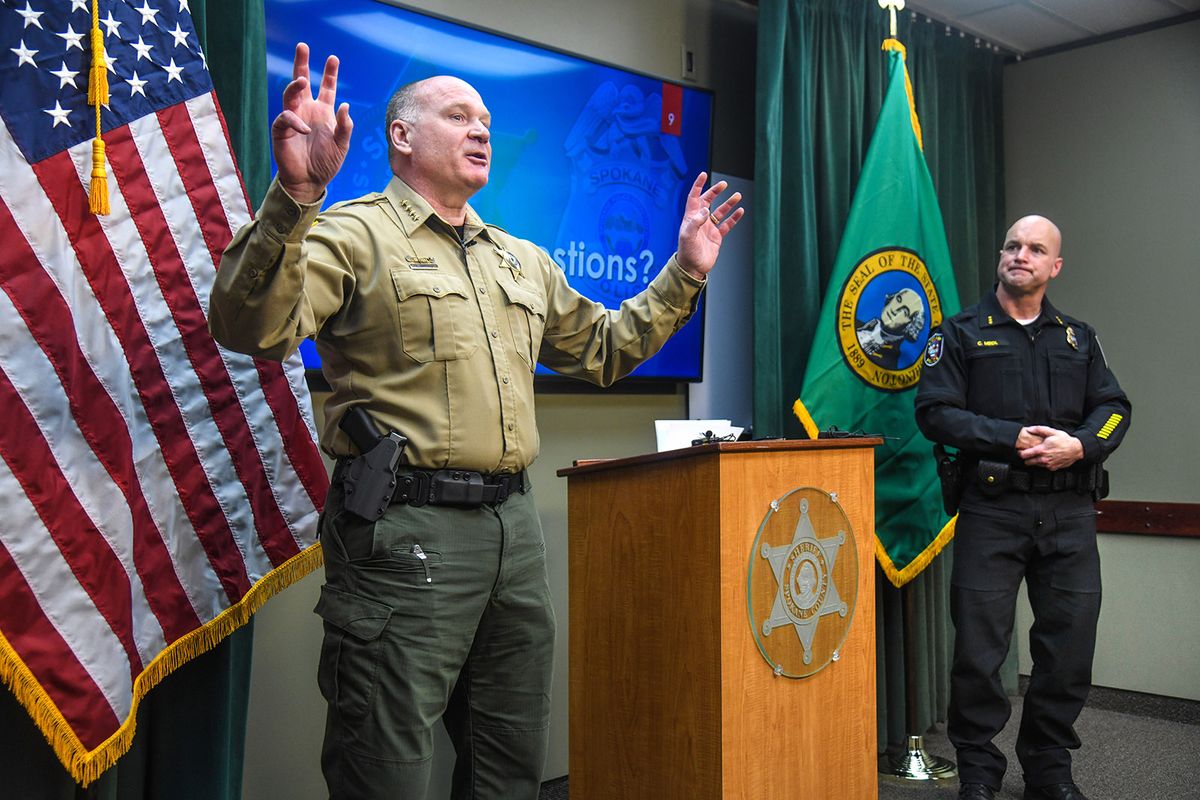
{"x": 1068, "y": 387}
{"x": 526, "y": 311}
{"x": 995, "y": 383}
{"x": 435, "y": 316}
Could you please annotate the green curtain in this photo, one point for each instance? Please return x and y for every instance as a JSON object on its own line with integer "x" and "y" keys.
{"x": 191, "y": 728}
{"x": 234, "y": 41}
{"x": 820, "y": 82}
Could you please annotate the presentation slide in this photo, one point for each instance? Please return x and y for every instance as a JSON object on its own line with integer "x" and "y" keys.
{"x": 589, "y": 161}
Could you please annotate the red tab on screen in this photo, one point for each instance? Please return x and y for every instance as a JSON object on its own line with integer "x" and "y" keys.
{"x": 672, "y": 109}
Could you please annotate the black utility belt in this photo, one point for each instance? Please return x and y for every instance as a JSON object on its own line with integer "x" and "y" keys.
{"x": 994, "y": 477}
{"x": 456, "y": 487}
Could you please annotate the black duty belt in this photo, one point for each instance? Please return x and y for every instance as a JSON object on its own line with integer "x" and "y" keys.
{"x": 995, "y": 477}
{"x": 456, "y": 487}
{"x": 1044, "y": 481}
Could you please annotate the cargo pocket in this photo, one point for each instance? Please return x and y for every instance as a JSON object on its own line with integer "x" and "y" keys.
{"x": 348, "y": 670}
{"x": 526, "y": 319}
{"x": 1076, "y": 556}
{"x": 435, "y": 316}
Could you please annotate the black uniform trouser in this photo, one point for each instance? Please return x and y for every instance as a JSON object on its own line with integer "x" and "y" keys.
{"x": 459, "y": 630}
{"x": 1049, "y": 540}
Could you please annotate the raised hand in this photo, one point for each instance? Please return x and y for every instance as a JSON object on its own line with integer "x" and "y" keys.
{"x": 704, "y": 228}
{"x": 310, "y": 139}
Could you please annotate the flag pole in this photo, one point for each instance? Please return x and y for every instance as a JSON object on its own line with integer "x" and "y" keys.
{"x": 914, "y": 762}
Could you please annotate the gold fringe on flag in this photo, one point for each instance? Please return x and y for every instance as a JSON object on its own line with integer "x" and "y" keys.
{"x": 87, "y": 766}
{"x": 98, "y": 96}
{"x": 899, "y": 577}
{"x": 805, "y": 418}
{"x": 894, "y": 44}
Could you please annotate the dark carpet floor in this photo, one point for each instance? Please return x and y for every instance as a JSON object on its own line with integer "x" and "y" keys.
{"x": 1135, "y": 747}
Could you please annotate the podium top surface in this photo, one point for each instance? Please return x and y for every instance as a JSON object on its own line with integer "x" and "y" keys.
{"x": 589, "y": 466}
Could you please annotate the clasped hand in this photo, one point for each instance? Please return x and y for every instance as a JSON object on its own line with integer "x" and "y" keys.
{"x": 1049, "y": 448}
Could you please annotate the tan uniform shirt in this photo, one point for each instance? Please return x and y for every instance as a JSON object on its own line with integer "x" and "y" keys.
{"x": 437, "y": 338}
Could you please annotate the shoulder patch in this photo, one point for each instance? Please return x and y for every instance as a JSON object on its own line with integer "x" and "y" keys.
{"x": 933, "y": 349}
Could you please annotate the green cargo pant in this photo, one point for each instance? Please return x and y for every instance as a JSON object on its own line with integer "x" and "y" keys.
{"x": 435, "y": 613}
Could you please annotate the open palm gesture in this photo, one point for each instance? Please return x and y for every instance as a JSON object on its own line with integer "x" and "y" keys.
{"x": 310, "y": 138}
{"x": 703, "y": 227}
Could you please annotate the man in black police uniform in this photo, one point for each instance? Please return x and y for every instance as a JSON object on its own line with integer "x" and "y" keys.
{"x": 1025, "y": 395}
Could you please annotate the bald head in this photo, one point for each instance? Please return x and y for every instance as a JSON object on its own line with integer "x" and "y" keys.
{"x": 439, "y": 141}
{"x": 412, "y": 99}
{"x": 1040, "y": 228}
{"x": 1031, "y": 258}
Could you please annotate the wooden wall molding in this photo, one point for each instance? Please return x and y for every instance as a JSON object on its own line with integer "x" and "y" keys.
{"x": 1154, "y": 519}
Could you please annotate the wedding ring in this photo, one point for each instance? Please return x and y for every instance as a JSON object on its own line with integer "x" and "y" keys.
{"x": 714, "y": 219}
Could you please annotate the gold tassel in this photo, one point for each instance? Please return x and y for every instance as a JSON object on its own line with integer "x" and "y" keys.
{"x": 98, "y": 75}
{"x": 98, "y": 96}
{"x": 98, "y": 192}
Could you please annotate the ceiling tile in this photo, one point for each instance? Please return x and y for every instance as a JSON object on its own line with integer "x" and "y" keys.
{"x": 1106, "y": 17}
{"x": 1022, "y": 28}
{"x": 951, "y": 10}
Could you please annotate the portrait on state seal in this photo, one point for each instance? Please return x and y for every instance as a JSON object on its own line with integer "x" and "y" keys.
{"x": 902, "y": 319}
{"x": 886, "y": 310}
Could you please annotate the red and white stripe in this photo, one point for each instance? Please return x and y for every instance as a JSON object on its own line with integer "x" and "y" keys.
{"x": 148, "y": 478}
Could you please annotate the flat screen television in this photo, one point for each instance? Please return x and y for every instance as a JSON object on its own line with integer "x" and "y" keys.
{"x": 589, "y": 161}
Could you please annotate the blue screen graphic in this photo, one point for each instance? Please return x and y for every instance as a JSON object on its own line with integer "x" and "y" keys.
{"x": 590, "y": 162}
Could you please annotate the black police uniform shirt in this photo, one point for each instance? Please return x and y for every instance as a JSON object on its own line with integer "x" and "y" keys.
{"x": 985, "y": 376}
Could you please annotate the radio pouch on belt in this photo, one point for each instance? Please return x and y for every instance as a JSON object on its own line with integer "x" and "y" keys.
{"x": 370, "y": 480}
{"x": 949, "y": 471}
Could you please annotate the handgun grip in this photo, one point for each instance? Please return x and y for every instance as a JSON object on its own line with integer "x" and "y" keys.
{"x": 361, "y": 429}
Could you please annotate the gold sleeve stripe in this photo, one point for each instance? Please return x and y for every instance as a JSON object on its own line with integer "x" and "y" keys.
{"x": 1110, "y": 426}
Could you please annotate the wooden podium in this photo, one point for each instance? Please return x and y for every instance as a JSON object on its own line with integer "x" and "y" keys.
{"x": 670, "y": 696}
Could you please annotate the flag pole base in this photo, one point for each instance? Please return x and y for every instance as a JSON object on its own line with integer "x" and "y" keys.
{"x": 915, "y": 763}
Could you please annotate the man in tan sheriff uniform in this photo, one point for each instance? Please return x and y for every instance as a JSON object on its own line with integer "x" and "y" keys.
{"x": 432, "y": 321}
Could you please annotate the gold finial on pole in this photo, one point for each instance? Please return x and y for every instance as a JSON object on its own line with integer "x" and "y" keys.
{"x": 892, "y": 6}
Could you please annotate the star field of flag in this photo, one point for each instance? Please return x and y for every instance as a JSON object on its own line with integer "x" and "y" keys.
{"x": 153, "y": 61}
{"x": 155, "y": 488}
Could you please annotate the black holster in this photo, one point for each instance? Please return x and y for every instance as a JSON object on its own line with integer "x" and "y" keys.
{"x": 950, "y": 474}
{"x": 1100, "y": 487}
{"x": 370, "y": 480}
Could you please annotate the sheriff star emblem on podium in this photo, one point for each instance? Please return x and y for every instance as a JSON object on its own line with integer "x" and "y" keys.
{"x": 805, "y": 584}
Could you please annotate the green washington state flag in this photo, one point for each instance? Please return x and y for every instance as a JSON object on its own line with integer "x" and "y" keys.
{"x": 891, "y": 284}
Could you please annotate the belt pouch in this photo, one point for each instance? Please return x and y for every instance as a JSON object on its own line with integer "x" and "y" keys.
{"x": 993, "y": 477}
{"x": 456, "y": 488}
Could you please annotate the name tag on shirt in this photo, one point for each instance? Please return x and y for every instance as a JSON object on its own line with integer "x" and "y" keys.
{"x": 421, "y": 262}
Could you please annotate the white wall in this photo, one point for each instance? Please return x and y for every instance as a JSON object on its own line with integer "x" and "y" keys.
{"x": 286, "y": 711}
{"x": 1105, "y": 140}
{"x": 727, "y": 389}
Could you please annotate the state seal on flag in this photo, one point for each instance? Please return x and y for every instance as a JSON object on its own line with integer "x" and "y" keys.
{"x": 802, "y": 582}
{"x": 885, "y": 311}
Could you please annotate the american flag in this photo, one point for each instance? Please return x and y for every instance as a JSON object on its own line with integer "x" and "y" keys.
{"x": 154, "y": 488}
